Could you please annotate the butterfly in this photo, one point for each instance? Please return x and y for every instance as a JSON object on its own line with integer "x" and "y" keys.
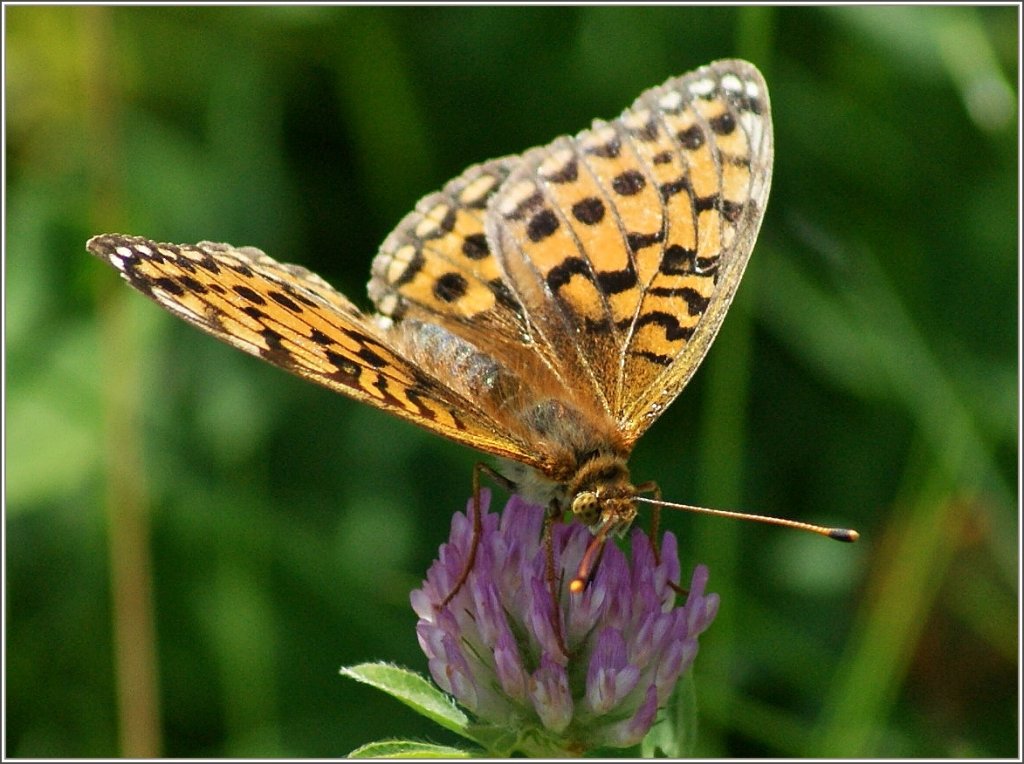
{"x": 544, "y": 308}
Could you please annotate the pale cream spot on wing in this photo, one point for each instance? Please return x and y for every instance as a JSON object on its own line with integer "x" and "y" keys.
{"x": 477, "y": 190}
{"x": 425, "y": 228}
{"x": 399, "y": 262}
{"x": 601, "y": 135}
{"x": 732, "y": 83}
{"x": 637, "y": 120}
{"x": 702, "y": 88}
{"x": 515, "y": 196}
{"x": 555, "y": 162}
{"x": 672, "y": 101}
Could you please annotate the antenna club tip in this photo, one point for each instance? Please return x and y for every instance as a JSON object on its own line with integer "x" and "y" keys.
{"x": 843, "y": 534}
{"x": 577, "y": 585}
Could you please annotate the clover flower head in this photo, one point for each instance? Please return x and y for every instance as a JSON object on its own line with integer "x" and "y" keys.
{"x": 558, "y": 676}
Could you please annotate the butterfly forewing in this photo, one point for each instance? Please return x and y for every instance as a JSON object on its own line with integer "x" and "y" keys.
{"x": 625, "y": 244}
{"x": 715, "y": 206}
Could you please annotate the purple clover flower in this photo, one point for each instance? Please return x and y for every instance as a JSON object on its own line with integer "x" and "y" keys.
{"x": 496, "y": 649}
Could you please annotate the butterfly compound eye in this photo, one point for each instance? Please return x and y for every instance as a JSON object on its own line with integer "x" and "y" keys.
{"x": 585, "y": 507}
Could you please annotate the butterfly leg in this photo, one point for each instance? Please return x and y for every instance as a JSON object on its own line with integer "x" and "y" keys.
{"x": 553, "y": 515}
{"x": 653, "y": 488}
{"x": 478, "y": 527}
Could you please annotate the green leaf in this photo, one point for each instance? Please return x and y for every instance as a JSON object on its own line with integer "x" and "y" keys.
{"x": 500, "y": 742}
{"x": 409, "y": 749}
{"x": 675, "y": 731}
{"x": 413, "y": 690}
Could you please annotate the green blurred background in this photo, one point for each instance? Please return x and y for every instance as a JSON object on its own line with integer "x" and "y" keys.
{"x": 196, "y": 541}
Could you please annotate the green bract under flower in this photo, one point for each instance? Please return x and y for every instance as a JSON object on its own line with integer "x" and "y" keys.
{"x": 496, "y": 646}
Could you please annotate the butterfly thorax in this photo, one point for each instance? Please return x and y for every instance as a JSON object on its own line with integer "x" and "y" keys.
{"x": 584, "y": 460}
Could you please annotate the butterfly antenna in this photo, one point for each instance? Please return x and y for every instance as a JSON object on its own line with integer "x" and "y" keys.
{"x": 839, "y": 534}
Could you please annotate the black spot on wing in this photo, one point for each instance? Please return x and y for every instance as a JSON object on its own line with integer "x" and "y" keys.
{"x": 723, "y": 124}
{"x": 637, "y": 241}
{"x": 748, "y": 103}
{"x": 192, "y": 285}
{"x": 629, "y": 183}
{"x": 375, "y": 360}
{"x": 504, "y": 295}
{"x": 447, "y": 224}
{"x": 673, "y": 187}
{"x": 346, "y": 370}
{"x": 185, "y": 264}
{"x": 475, "y": 246}
{"x": 169, "y": 285}
{"x": 673, "y": 330}
{"x": 414, "y": 266}
{"x": 525, "y": 207}
{"x": 542, "y": 225}
{"x": 658, "y": 358}
{"x": 249, "y": 294}
{"x": 692, "y": 138}
{"x": 648, "y": 132}
{"x": 209, "y": 264}
{"x": 272, "y": 338}
{"x": 732, "y": 211}
{"x": 677, "y": 260}
{"x": 589, "y": 211}
{"x": 696, "y": 303}
{"x": 613, "y": 282}
{"x": 284, "y": 301}
{"x": 240, "y": 268}
{"x": 450, "y": 287}
{"x": 319, "y": 337}
{"x": 561, "y": 274}
{"x": 704, "y": 203}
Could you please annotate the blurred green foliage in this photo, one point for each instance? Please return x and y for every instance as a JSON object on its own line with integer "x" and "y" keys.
{"x": 866, "y": 376}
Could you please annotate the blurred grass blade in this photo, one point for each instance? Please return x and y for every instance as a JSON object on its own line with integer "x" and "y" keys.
{"x": 865, "y": 341}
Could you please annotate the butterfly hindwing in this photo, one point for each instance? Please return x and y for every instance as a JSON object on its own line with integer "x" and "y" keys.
{"x": 293, "y": 319}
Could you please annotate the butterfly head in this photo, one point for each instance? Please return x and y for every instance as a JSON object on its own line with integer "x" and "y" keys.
{"x": 601, "y": 495}
{"x": 608, "y": 508}
{"x": 603, "y": 499}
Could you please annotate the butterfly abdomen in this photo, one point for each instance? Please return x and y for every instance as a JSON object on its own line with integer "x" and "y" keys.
{"x": 464, "y": 367}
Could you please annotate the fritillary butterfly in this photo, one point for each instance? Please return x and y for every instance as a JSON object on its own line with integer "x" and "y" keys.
{"x": 543, "y": 308}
